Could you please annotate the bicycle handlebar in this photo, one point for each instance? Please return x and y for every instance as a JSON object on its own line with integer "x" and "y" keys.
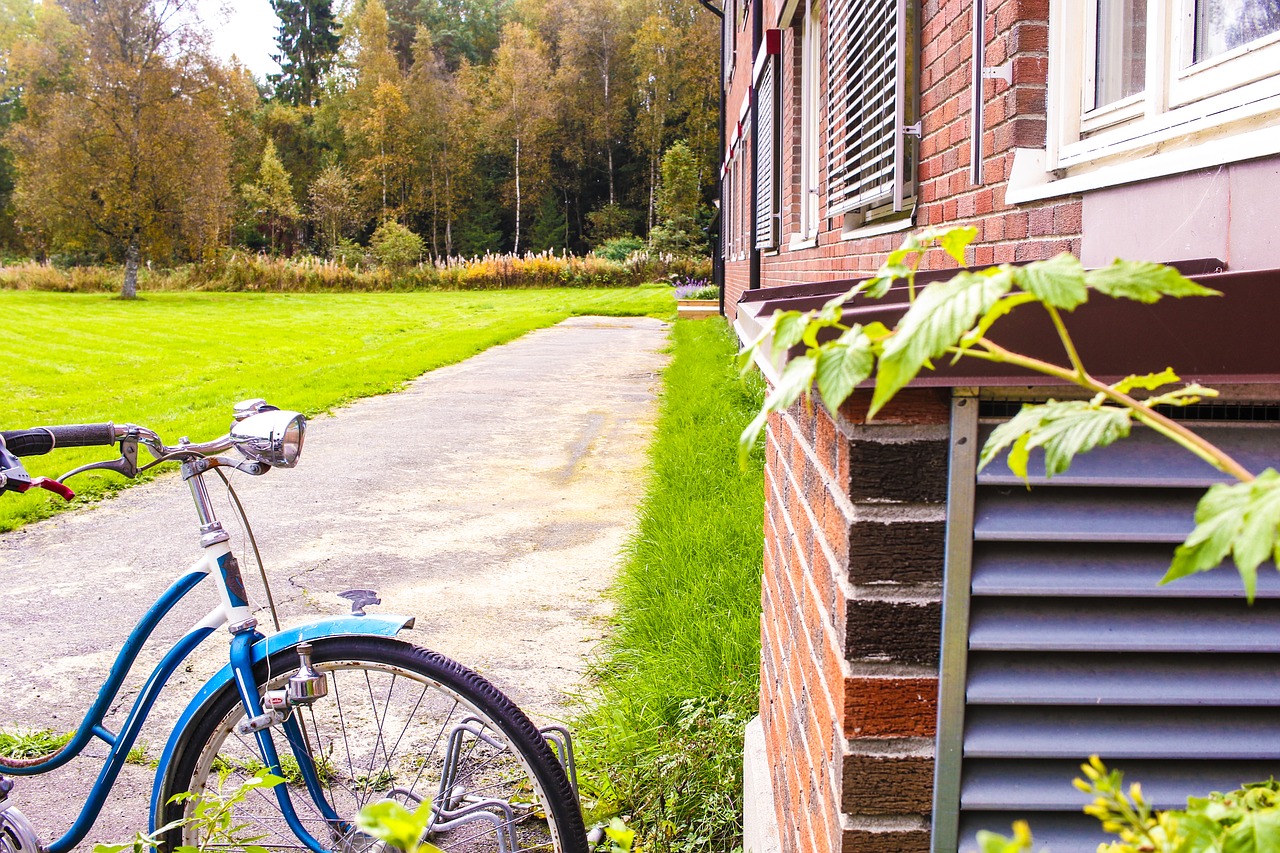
{"x": 40, "y": 440}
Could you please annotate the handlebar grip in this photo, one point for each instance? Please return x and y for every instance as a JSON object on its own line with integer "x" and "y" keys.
{"x": 38, "y": 441}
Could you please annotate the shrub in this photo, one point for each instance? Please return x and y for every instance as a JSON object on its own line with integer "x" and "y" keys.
{"x": 618, "y": 248}
{"x": 349, "y": 254}
{"x": 395, "y": 246}
{"x": 610, "y": 221}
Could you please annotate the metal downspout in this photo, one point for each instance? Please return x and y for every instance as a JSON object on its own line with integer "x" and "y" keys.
{"x": 757, "y": 41}
{"x": 717, "y": 259}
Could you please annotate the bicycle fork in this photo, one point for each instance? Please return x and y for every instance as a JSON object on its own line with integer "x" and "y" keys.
{"x": 303, "y": 688}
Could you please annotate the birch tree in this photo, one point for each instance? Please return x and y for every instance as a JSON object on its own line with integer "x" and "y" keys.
{"x": 520, "y": 111}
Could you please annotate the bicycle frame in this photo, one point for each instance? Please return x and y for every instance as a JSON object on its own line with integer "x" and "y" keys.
{"x": 247, "y": 648}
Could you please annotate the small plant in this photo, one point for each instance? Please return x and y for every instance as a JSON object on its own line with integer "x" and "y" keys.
{"x": 138, "y": 755}
{"x": 32, "y": 744}
{"x": 392, "y": 823}
{"x": 212, "y": 814}
{"x": 688, "y": 287}
{"x": 1247, "y": 819}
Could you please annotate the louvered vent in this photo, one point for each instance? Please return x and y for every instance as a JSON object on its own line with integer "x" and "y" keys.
{"x": 1073, "y": 649}
{"x": 868, "y": 106}
{"x": 767, "y": 213}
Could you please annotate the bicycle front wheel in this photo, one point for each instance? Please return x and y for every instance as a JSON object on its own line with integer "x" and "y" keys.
{"x": 399, "y": 723}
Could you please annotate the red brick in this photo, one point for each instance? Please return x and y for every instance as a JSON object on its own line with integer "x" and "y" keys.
{"x": 890, "y": 707}
{"x": 1040, "y": 222}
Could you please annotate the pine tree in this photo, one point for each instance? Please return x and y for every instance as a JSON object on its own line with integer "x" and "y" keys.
{"x": 308, "y": 42}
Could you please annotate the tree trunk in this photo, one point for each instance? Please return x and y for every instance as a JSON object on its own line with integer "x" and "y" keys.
{"x": 130, "y": 288}
{"x": 517, "y": 246}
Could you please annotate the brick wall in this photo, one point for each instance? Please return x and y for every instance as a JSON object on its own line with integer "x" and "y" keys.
{"x": 1014, "y": 116}
{"x": 851, "y": 620}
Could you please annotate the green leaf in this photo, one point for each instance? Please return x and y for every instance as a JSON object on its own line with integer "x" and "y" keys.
{"x": 1258, "y": 538}
{"x": 955, "y": 240}
{"x": 789, "y": 330}
{"x": 1077, "y": 427}
{"x": 1028, "y": 418}
{"x": 1257, "y": 832}
{"x": 1147, "y": 382}
{"x": 842, "y": 365}
{"x": 939, "y": 317}
{"x": 994, "y": 842}
{"x": 1063, "y": 429}
{"x": 391, "y": 822}
{"x": 1143, "y": 281}
{"x": 796, "y": 379}
{"x": 1058, "y": 282}
{"x": 1242, "y": 519}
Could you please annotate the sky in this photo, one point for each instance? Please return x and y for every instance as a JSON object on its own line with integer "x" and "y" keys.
{"x": 245, "y": 28}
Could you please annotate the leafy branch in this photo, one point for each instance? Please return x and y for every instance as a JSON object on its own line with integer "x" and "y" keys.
{"x": 1247, "y": 819}
{"x": 952, "y": 319}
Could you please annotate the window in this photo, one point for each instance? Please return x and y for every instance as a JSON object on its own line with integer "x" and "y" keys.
{"x": 871, "y": 120}
{"x": 807, "y": 180}
{"x": 768, "y": 210}
{"x": 1132, "y": 78}
{"x": 729, "y": 39}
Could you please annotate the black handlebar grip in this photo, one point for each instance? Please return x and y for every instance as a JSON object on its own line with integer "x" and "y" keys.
{"x": 38, "y": 441}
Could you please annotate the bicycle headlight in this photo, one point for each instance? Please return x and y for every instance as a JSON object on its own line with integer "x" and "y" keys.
{"x": 273, "y": 438}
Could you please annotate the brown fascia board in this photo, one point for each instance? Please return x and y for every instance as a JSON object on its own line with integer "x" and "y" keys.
{"x": 1233, "y": 338}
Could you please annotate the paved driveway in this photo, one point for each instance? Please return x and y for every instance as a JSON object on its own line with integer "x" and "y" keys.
{"x": 489, "y": 499}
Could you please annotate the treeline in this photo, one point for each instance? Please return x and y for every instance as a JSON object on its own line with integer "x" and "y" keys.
{"x": 440, "y": 127}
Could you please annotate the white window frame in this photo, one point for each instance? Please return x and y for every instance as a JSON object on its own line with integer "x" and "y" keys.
{"x": 1183, "y": 106}
{"x": 810, "y": 109}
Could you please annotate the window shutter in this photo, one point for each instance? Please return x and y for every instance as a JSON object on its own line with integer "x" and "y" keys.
{"x": 767, "y": 213}
{"x": 871, "y": 162}
{"x": 1066, "y": 645}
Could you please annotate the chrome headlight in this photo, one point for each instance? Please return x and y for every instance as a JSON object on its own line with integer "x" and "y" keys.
{"x": 273, "y": 438}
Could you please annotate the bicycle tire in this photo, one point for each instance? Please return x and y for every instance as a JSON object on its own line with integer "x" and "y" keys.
{"x": 428, "y": 689}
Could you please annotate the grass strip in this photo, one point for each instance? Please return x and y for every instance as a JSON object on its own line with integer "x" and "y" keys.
{"x": 176, "y": 362}
{"x": 661, "y": 735}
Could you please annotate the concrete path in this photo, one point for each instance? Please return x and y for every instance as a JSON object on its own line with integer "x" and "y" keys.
{"x": 490, "y": 500}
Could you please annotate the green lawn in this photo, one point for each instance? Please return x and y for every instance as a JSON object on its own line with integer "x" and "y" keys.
{"x": 662, "y": 726}
{"x": 176, "y": 362}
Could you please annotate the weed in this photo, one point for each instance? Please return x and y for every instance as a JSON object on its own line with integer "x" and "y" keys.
{"x": 32, "y": 744}
{"x": 138, "y": 755}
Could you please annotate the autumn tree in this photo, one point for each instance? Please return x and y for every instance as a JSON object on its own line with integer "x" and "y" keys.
{"x": 124, "y": 148}
{"x": 654, "y": 57}
{"x": 374, "y": 112}
{"x": 269, "y": 199}
{"x": 308, "y": 42}
{"x": 592, "y": 80}
{"x": 331, "y": 205}
{"x": 438, "y": 123}
{"x": 520, "y": 111}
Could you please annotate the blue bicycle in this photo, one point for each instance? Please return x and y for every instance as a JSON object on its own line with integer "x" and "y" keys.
{"x": 344, "y": 710}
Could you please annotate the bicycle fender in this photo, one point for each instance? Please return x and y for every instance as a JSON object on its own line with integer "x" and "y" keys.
{"x": 371, "y": 625}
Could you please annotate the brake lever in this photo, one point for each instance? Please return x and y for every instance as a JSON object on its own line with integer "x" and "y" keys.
{"x": 126, "y": 465}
